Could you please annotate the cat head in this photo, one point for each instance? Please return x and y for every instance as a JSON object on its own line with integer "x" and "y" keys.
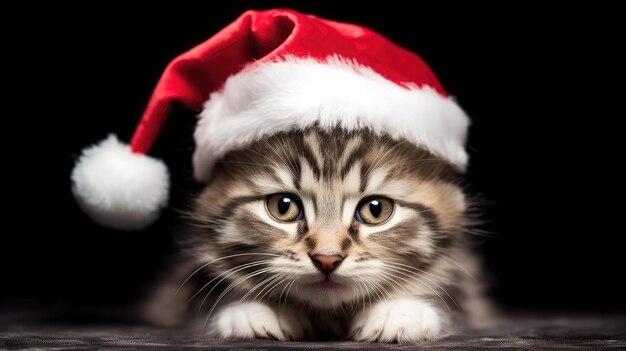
{"x": 328, "y": 218}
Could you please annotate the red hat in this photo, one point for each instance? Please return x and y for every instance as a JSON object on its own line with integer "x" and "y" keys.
{"x": 269, "y": 72}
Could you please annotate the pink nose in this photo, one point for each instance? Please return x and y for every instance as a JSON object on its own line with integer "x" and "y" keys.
{"x": 326, "y": 264}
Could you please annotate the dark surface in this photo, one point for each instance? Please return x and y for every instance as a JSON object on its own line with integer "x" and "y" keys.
{"x": 523, "y": 333}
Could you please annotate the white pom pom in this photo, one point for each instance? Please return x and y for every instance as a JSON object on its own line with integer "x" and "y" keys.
{"x": 118, "y": 188}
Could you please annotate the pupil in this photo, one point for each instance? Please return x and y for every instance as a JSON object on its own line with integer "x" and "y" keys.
{"x": 283, "y": 205}
{"x": 375, "y": 208}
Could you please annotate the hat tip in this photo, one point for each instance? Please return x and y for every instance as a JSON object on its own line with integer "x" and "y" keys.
{"x": 118, "y": 188}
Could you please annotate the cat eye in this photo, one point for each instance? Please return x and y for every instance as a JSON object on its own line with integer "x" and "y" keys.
{"x": 284, "y": 207}
{"x": 374, "y": 210}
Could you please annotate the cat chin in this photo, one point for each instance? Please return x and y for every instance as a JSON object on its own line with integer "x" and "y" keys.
{"x": 327, "y": 297}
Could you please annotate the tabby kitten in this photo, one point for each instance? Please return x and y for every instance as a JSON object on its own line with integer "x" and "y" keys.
{"x": 341, "y": 234}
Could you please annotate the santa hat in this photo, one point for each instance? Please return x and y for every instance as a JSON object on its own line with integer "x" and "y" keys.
{"x": 269, "y": 72}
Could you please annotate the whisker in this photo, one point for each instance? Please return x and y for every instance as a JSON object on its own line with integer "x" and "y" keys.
{"x": 256, "y": 286}
{"x": 290, "y": 284}
{"x": 377, "y": 288}
{"x": 397, "y": 263}
{"x": 395, "y": 285}
{"x": 219, "y": 259}
{"x": 363, "y": 292}
{"x": 232, "y": 271}
{"x": 221, "y": 280}
{"x": 273, "y": 287}
{"x": 426, "y": 285}
{"x": 275, "y": 278}
{"x": 232, "y": 285}
{"x": 356, "y": 295}
{"x": 415, "y": 286}
{"x": 421, "y": 274}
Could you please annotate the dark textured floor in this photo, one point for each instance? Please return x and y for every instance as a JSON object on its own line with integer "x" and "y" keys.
{"x": 518, "y": 333}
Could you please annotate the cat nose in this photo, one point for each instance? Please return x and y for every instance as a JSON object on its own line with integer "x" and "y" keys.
{"x": 326, "y": 263}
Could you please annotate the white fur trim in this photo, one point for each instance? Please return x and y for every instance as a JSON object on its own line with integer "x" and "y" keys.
{"x": 297, "y": 93}
{"x": 118, "y": 188}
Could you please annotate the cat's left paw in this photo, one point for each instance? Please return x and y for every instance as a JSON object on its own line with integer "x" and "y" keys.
{"x": 398, "y": 320}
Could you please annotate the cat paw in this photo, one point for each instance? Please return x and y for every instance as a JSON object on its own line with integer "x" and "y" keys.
{"x": 251, "y": 320}
{"x": 398, "y": 320}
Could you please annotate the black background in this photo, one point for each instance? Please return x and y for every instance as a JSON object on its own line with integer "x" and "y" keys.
{"x": 539, "y": 84}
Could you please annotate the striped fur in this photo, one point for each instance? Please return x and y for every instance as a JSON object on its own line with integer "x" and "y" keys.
{"x": 418, "y": 260}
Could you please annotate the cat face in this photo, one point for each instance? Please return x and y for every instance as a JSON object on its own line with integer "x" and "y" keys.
{"x": 328, "y": 218}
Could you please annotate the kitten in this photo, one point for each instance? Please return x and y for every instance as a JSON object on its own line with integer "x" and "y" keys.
{"x": 330, "y": 233}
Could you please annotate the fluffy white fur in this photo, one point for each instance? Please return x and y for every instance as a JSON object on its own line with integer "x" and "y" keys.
{"x": 403, "y": 319}
{"x": 297, "y": 93}
{"x": 118, "y": 188}
{"x": 258, "y": 320}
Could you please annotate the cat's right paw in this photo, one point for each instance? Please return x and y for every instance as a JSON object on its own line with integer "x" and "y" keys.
{"x": 251, "y": 320}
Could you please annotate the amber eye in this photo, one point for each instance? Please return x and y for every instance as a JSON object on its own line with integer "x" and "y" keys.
{"x": 284, "y": 207}
{"x": 374, "y": 210}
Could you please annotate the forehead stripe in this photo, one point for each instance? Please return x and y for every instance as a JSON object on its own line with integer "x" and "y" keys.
{"x": 426, "y": 212}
